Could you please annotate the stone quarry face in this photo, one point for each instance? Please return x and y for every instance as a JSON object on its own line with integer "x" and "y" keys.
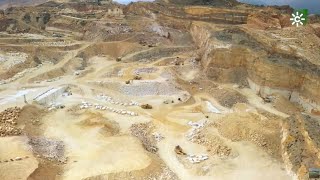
{"x": 157, "y": 90}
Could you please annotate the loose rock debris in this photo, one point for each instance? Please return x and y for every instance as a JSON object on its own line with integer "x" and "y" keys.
{"x": 86, "y": 105}
{"x": 143, "y": 131}
{"x": 196, "y": 127}
{"x": 48, "y": 148}
{"x": 14, "y": 159}
{"x": 8, "y": 122}
{"x": 54, "y": 106}
{"x": 90, "y": 66}
{"x": 197, "y": 158}
{"x": 157, "y": 136}
{"x": 112, "y": 101}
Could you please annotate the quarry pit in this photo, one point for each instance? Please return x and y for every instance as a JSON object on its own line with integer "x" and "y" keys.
{"x": 157, "y": 90}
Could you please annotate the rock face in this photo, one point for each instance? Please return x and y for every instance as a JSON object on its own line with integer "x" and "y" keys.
{"x": 317, "y": 29}
{"x": 203, "y": 2}
{"x": 268, "y": 19}
{"x": 8, "y": 3}
{"x": 1, "y": 14}
{"x": 237, "y": 55}
{"x": 300, "y": 143}
{"x": 26, "y": 22}
{"x": 264, "y": 21}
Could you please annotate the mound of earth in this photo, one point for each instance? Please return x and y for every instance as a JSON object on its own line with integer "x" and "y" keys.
{"x": 143, "y": 132}
{"x": 214, "y": 144}
{"x": 108, "y": 127}
{"x": 228, "y": 97}
{"x": 260, "y": 130}
{"x": 30, "y": 119}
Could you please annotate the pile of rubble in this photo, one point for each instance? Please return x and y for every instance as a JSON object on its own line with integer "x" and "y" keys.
{"x": 118, "y": 29}
{"x": 112, "y": 101}
{"x": 86, "y": 105}
{"x": 48, "y": 148}
{"x": 196, "y": 127}
{"x": 15, "y": 58}
{"x": 157, "y": 136}
{"x": 54, "y": 106}
{"x": 197, "y": 158}
{"x": 150, "y": 87}
{"x": 143, "y": 132}
{"x": 8, "y": 122}
{"x": 213, "y": 143}
{"x": 192, "y": 158}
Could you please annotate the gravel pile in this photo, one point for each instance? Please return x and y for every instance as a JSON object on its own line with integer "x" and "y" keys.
{"x": 228, "y": 97}
{"x": 8, "y": 122}
{"x": 149, "y": 88}
{"x": 196, "y": 127}
{"x": 147, "y": 70}
{"x": 48, "y": 148}
{"x": 157, "y": 136}
{"x": 143, "y": 131}
{"x": 215, "y": 145}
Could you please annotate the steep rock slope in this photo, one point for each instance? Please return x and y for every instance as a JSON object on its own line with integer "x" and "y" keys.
{"x": 268, "y": 64}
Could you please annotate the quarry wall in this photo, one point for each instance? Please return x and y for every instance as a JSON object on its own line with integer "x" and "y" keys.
{"x": 230, "y": 62}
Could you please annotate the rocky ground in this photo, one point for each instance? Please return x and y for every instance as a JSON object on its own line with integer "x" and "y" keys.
{"x": 157, "y": 90}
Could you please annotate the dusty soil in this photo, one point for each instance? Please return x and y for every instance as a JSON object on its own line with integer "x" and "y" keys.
{"x": 30, "y": 119}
